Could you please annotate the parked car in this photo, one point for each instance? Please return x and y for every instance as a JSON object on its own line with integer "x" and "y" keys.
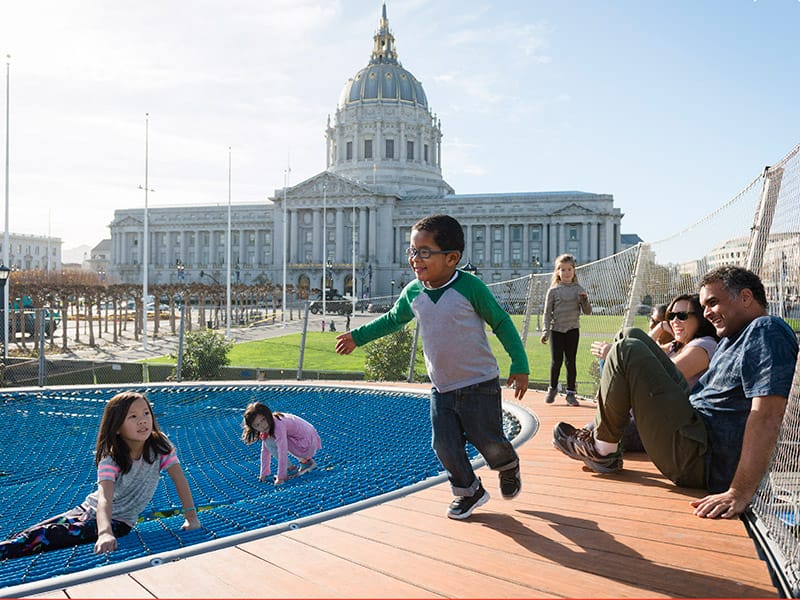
{"x": 378, "y": 307}
{"x": 334, "y": 304}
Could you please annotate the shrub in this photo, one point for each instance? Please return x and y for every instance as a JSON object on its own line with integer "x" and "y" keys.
{"x": 387, "y": 357}
{"x": 205, "y": 352}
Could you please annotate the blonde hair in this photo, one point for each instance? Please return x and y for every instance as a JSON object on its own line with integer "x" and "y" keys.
{"x": 561, "y": 259}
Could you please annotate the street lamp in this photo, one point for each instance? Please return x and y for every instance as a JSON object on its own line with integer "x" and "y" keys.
{"x": 4, "y": 273}
{"x": 470, "y": 268}
{"x": 181, "y": 268}
{"x": 392, "y": 296}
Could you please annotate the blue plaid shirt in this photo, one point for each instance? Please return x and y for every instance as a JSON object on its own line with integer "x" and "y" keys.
{"x": 757, "y": 361}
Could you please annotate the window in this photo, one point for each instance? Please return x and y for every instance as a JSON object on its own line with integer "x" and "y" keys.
{"x": 516, "y": 233}
{"x": 497, "y": 233}
{"x": 478, "y": 233}
{"x": 389, "y": 148}
{"x": 409, "y": 150}
{"x": 367, "y": 148}
{"x": 572, "y": 233}
{"x": 497, "y": 256}
{"x": 535, "y": 233}
{"x": 425, "y": 152}
{"x": 349, "y": 151}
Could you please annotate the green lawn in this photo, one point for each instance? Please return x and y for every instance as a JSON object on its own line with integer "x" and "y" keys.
{"x": 320, "y": 354}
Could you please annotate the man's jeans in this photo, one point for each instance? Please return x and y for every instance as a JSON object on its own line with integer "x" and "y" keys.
{"x": 639, "y": 375}
{"x": 470, "y": 414}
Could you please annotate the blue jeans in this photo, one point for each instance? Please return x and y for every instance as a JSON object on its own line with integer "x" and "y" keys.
{"x": 470, "y": 414}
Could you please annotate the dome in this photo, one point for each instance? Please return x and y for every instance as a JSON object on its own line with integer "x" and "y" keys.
{"x": 383, "y": 82}
{"x": 384, "y": 79}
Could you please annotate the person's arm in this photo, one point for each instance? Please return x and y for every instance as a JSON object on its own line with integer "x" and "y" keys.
{"x": 265, "y": 467}
{"x": 691, "y": 360}
{"x": 547, "y": 316}
{"x": 106, "y": 541}
{"x": 392, "y": 321}
{"x": 175, "y": 473}
{"x": 282, "y": 449}
{"x": 760, "y": 437}
{"x": 583, "y": 300}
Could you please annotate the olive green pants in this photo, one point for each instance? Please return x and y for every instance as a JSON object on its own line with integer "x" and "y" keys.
{"x": 639, "y": 376}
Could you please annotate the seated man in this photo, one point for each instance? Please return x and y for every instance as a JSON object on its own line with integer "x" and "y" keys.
{"x": 721, "y": 436}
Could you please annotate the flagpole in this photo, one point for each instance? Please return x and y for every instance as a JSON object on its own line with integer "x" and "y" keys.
{"x": 228, "y": 255}
{"x": 6, "y": 238}
{"x": 145, "y": 254}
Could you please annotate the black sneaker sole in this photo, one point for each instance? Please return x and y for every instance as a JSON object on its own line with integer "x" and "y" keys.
{"x": 483, "y": 500}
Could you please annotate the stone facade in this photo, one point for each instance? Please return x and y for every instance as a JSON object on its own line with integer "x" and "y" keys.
{"x": 383, "y": 173}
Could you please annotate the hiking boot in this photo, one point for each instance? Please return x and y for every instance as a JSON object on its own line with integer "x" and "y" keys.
{"x": 578, "y": 444}
{"x": 510, "y": 483}
{"x": 462, "y": 506}
{"x": 307, "y": 466}
{"x": 571, "y": 399}
{"x": 551, "y": 395}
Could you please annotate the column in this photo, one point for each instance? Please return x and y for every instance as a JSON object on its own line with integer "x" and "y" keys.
{"x": 317, "y": 220}
{"x": 373, "y": 229}
{"x": 293, "y": 235}
{"x": 338, "y": 258}
{"x": 363, "y": 236}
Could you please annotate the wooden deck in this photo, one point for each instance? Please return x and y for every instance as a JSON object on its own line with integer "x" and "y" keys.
{"x": 570, "y": 533}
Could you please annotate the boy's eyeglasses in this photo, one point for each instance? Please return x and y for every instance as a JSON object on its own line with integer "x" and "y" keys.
{"x": 681, "y": 315}
{"x": 425, "y": 253}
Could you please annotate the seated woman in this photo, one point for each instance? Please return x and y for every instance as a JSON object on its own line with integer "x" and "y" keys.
{"x": 694, "y": 344}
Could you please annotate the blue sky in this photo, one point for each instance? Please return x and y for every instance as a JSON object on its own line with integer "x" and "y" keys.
{"x": 672, "y": 107}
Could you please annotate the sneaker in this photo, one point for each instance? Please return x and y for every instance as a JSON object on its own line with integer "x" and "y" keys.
{"x": 578, "y": 444}
{"x": 510, "y": 483}
{"x": 571, "y": 399}
{"x": 462, "y": 506}
{"x": 307, "y": 466}
{"x": 551, "y": 395}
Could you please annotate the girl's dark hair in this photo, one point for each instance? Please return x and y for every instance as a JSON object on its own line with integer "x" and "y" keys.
{"x": 249, "y": 434}
{"x": 704, "y": 327}
{"x": 110, "y": 442}
{"x": 446, "y": 231}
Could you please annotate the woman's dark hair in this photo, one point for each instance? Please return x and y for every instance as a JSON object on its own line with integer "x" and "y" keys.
{"x": 704, "y": 326}
{"x": 249, "y": 434}
{"x": 110, "y": 442}
{"x": 446, "y": 231}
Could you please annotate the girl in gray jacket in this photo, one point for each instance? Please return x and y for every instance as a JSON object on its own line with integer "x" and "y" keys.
{"x": 563, "y": 305}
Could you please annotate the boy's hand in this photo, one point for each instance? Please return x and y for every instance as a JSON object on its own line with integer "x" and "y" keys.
{"x": 519, "y": 381}
{"x": 345, "y": 343}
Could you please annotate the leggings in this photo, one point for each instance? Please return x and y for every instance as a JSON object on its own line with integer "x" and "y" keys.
{"x": 74, "y": 527}
{"x": 564, "y": 348}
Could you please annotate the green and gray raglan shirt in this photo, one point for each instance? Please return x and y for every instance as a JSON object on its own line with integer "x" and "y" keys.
{"x": 452, "y": 326}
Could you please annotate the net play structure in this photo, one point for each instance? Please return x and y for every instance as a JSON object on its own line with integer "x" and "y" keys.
{"x": 373, "y": 442}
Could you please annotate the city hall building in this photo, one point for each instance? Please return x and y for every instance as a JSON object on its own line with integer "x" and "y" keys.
{"x": 383, "y": 172}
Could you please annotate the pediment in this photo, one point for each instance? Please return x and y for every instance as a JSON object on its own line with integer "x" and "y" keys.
{"x": 572, "y": 209}
{"x": 331, "y": 184}
{"x": 127, "y": 221}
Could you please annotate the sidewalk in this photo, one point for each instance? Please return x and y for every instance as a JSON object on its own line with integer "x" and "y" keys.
{"x": 130, "y": 350}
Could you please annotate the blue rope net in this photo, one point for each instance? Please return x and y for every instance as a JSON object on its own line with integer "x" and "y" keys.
{"x": 373, "y": 442}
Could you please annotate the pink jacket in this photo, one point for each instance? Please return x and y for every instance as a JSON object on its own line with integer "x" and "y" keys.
{"x": 293, "y": 435}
